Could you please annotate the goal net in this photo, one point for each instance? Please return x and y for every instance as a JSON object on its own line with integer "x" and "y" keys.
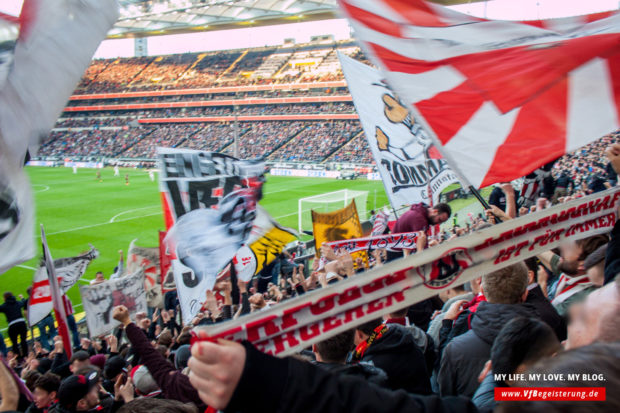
{"x": 328, "y": 202}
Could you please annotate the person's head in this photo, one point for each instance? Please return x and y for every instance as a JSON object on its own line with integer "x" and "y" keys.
{"x": 143, "y": 382}
{"x": 8, "y": 296}
{"x": 596, "y": 365}
{"x": 145, "y": 404}
{"x": 78, "y": 360}
{"x": 596, "y": 318}
{"x": 474, "y": 285}
{"x": 45, "y": 390}
{"x": 114, "y": 366}
{"x": 439, "y": 213}
{"x": 363, "y": 331}
{"x": 30, "y": 378}
{"x": 99, "y": 276}
{"x": 521, "y": 343}
{"x": 532, "y": 269}
{"x": 573, "y": 253}
{"x": 448, "y": 293}
{"x": 181, "y": 357}
{"x": 506, "y": 286}
{"x": 594, "y": 265}
{"x": 79, "y": 392}
{"x": 335, "y": 349}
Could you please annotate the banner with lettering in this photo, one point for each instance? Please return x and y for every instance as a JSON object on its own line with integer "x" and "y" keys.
{"x": 394, "y": 242}
{"x": 191, "y": 179}
{"x": 297, "y": 323}
{"x": 410, "y": 166}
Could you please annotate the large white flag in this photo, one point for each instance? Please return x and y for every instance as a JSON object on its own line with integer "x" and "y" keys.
{"x": 39, "y": 69}
{"x": 68, "y": 271}
{"x": 501, "y": 98}
{"x": 410, "y": 166}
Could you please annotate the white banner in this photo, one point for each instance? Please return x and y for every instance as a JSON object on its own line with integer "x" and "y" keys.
{"x": 100, "y": 299}
{"x": 321, "y": 314}
{"x": 68, "y": 271}
{"x": 406, "y": 159}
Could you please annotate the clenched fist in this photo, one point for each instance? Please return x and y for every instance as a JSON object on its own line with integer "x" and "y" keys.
{"x": 121, "y": 313}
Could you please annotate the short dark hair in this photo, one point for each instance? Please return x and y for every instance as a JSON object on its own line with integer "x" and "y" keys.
{"x": 532, "y": 264}
{"x": 49, "y": 382}
{"x": 146, "y": 404}
{"x": 590, "y": 244}
{"x": 369, "y": 326}
{"x": 441, "y": 208}
{"x": 522, "y": 341}
{"x": 335, "y": 349}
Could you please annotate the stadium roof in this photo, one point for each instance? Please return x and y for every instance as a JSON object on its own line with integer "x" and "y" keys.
{"x": 141, "y": 18}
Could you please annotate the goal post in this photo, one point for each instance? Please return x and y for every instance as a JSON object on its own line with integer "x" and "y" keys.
{"x": 328, "y": 202}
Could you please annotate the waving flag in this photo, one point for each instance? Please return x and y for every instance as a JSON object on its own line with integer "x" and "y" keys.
{"x": 501, "y": 98}
{"x": 68, "y": 272}
{"x": 43, "y": 54}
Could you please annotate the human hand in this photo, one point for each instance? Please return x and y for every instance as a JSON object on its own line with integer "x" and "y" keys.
{"x": 121, "y": 313}
{"x": 123, "y": 390}
{"x": 613, "y": 154}
{"x": 420, "y": 241}
{"x": 112, "y": 343}
{"x": 215, "y": 371}
{"x": 328, "y": 252}
{"x": 454, "y": 310}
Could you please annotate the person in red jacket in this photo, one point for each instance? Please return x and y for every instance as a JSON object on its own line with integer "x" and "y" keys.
{"x": 421, "y": 216}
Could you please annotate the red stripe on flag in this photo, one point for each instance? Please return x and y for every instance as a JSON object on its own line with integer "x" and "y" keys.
{"x": 538, "y": 136}
{"x": 613, "y": 63}
{"x": 9, "y": 18}
{"x": 399, "y": 63}
{"x": 511, "y": 77}
{"x": 416, "y": 12}
{"x": 371, "y": 20}
{"x": 461, "y": 103}
{"x": 168, "y": 219}
{"x": 589, "y": 18}
{"x": 27, "y": 17}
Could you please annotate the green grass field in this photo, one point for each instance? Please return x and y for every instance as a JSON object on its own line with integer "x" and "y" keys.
{"x": 77, "y": 209}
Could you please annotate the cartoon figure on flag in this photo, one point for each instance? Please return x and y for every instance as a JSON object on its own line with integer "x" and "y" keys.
{"x": 498, "y": 98}
{"x": 409, "y": 164}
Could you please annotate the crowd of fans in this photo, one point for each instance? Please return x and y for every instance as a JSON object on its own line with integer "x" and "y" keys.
{"x": 262, "y": 138}
{"x": 317, "y": 141}
{"x": 550, "y": 314}
{"x": 92, "y": 142}
{"x": 199, "y": 70}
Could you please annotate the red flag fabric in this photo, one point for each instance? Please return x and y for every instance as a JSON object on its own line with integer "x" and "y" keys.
{"x": 59, "y": 308}
{"x": 501, "y": 98}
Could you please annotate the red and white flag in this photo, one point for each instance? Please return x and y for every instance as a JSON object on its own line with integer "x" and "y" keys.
{"x": 501, "y": 98}
{"x": 59, "y": 307}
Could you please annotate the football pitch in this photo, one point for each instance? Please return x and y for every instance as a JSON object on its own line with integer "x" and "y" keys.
{"x": 78, "y": 209}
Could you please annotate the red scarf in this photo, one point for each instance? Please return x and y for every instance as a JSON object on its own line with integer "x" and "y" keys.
{"x": 374, "y": 336}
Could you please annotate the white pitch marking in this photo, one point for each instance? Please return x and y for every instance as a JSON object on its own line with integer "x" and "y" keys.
{"x": 45, "y": 187}
{"x": 131, "y": 210}
{"x": 26, "y": 267}
{"x": 103, "y": 223}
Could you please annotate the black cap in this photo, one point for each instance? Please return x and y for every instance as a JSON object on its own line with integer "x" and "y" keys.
{"x": 74, "y": 388}
{"x": 113, "y": 367}
{"x": 80, "y": 355}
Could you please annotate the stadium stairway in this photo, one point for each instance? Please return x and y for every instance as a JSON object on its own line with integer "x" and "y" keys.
{"x": 137, "y": 75}
{"x": 289, "y": 140}
{"x": 232, "y": 66}
{"x": 131, "y": 146}
{"x": 228, "y": 144}
{"x": 335, "y": 151}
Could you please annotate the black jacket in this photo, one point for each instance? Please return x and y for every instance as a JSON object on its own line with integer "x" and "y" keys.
{"x": 269, "y": 384}
{"x": 12, "y": 308}
{"x": 368, "y": 372}
{"x": 397, "y": 354}
{"x": 547, "y": 312}
{"x": 465, "y": 356}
